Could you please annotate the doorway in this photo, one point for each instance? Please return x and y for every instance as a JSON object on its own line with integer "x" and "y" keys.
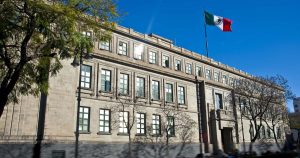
{"x": 227, "y": 140}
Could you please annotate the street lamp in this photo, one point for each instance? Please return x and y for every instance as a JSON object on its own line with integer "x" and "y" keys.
{"x": 75, "y": 64}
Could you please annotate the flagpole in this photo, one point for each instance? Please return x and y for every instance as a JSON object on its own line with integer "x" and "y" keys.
{"x": 206, "y": 43}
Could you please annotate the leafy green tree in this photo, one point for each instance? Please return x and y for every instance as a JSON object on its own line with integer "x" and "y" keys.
{"x": 36, "y": 34}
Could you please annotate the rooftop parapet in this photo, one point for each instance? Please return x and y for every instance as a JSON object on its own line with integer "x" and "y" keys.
{"x": 169, "y": 44}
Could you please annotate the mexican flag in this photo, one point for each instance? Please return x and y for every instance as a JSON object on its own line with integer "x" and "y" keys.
{"x": 222, "y": 23}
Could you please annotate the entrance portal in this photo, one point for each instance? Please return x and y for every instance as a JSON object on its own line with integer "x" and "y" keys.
{"x": 227, "y": 140}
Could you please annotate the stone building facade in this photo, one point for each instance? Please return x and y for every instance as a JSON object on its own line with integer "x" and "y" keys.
{"x": 296, "y": 103}
{"x": 148, "y": 69}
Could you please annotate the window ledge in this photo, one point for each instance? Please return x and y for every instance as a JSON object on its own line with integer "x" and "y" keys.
{"x": 140, "y": 134}
{"x": 122, "y": 54}
{"x": 105, "y": 92}
{"x": 137, "y": 97}
{"x": 103, "y": 133}
{"x": 123, "y": 134}
{"x": 156, "y": 135}
{"x": 172, "y": 136}
{"x": 81, "y": 132}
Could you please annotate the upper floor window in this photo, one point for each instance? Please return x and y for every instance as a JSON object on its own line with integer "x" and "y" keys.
{"x": 225, "y": 79}
{"x": 124, "y": 81}
{"x": 198, "y": 70}
{"x": 207, "y": 74}
{"x": 181, "y": 95}
{"x": 84, "y": 119}
{"x": 152, "y": 57}
{"x": 156, "y": 124}
{"x": 141, "y": 123}
{"x": 165, "y": 61}
{"x": 231, "y": 81}
{"x": 219, "y": 101}
{"x": 105, "y": 80}
{"x": 138, "y": 51}
{"x": 123, "y": 118}
{"x": 104, "y": 124}
{"x": 87, "y": 33}
{"x": 104, "y": 45}
{"x": 171, "y": 126}
{"x": 140, "y": 87}
{"x": 178, "y": 65}
{"x": 122, "y": 48}
{"x": 188, "y": 68}
{"x": 169, "y": 92}
{"x": 155, "y": 90}
{"x": 86, "y": 76}
{"x": 216, "y": 76}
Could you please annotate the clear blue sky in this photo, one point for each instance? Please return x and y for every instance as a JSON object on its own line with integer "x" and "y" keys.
{"x": 265, "y": 40}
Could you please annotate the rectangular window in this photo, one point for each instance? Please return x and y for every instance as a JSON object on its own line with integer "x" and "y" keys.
{"x": 269, "y": 133}
{"x": 165, "y": 61}
{"x": 155, "y": 90}
{"x": 87, "y": 33}
{"x": 216, "y": 76}
{"x": 219, "y": 101}
{"x": 225, "y": 79}
{"x": 124, "y": 80}
{"x": 251, "y": 131}
{"x": 169, "y": 92}
{"x": 86, "y": 76}
{"x": 156, "y": 124}
{"x": 231, "y": 81}
{"x": 178, "y": 65}
{"x": 138, "y": 51}
{"x": 104, "y": 45}
{"x": 122, "y": 48}
{"x": 171, "y": 126}
{"x": 207, "y": 74}
{"x": 104, "y": 124}
{"x": 123, "y": 118}
{"x": 278, "y": 133}
{"x": 84, "y": 119}
{"x": 58, "y": 154}
{"x": 181, "y": 95}
{"x": 140, "y": 123}
{"x": 152, "y": 57}
{"x": 198, "y": 70}
{"x": 105, "y": 80}
{"x": 263, "y": 132}
{"x": 140, "y": 87}
{"x": 188, "y": 68}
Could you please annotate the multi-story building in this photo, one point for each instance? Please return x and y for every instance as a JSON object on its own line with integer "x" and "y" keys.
{"x": 148, "y": 69}
{"x": 296, "y": 103}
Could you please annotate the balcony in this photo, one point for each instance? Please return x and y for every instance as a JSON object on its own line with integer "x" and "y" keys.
{"x": 225, "y": 115}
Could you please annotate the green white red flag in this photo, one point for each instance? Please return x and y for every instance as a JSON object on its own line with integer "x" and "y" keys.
{"x": 223, "y": 23}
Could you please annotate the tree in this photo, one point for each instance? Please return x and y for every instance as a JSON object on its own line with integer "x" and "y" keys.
{"x": 294, "y": 122}
{"x": 36, "y": 34}
{"x": 257, "y": 96}
{"x": 276, "y": 118}
{"x": 159, "y": 145}
{"x": 124, "y": 114}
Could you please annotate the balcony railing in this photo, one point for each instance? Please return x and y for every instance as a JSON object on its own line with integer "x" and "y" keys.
{"x": 225, "y": 115}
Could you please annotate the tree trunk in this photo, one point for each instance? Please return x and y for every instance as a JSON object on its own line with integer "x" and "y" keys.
{"x": 275, "y": 137}
{"x": 6, "y": 89}
{"x": 129, "y": 146}
{"x": 250, "y": 147}
{"x": 168, "y": 152}
{"x": 3, "y": 101}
